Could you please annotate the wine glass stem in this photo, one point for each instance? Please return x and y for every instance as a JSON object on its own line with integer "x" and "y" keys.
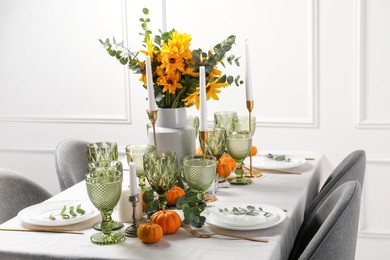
{"x": 239, "y": 170}
{"x": 106, "y": 222}
{"x": 161, "y": 198}
{"x": 200, "y": 195}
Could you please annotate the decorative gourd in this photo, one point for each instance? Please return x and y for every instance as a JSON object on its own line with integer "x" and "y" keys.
{"x": 253, "y": 151}
{"x": 223, "y": 169}
{"x": 226, "y": 158}
{"x": 174, "y": 194}
{"x": 149, "y": 232}
{"x": 169, "y": 221}
{"x": 199, "y": 151}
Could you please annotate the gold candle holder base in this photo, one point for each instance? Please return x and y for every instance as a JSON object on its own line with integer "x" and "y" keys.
{"x": 251, "y": 173}
{"x": 152, "y": 114}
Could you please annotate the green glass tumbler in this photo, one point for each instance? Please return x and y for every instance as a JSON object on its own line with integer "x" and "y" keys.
{"x": 241, "y": 125}
{"x": 135, "y": 153}
{"x": 161, "y": 171}
{"x": 239, "y": 146}
{"x": 102, "y": 151}
{"x": 104, "y": 187}
{"x": 199, "y": 172}
{"x": 225, "y": 120}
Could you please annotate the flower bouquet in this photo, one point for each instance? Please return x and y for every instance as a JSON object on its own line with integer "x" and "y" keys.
{"x": 175, "y": 66}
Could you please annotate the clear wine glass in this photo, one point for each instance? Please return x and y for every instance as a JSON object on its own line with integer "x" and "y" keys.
{"x": 104, "y": 187}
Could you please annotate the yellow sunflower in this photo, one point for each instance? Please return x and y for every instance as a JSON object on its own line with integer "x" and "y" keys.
{"x": 169, "y": 82}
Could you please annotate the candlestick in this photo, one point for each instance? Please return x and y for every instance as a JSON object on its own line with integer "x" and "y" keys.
{"x": 252, "y": 173}
{"x": 131, "y": 231}
{"x": 149, "y": 83}
{"x": 248, "y": 76}
{"x": 133, "y": 179}
{"x": 203, "y": 104}
{"x": 152, "y": 114}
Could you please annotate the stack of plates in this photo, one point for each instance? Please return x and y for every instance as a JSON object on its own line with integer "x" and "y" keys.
{"x": 245, "y": 222}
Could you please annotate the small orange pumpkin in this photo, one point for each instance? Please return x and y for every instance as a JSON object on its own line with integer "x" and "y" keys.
{"x": 226, "y": 158}
{"x": 253, "y": 151}
{"x": 174, "y": 194}
{"x": 223, "y": 169}
{"x": 149, "y": 232}
{"x": 169, "y": 221}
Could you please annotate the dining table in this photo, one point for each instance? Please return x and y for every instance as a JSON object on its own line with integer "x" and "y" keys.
{"x": 290, "y": 192}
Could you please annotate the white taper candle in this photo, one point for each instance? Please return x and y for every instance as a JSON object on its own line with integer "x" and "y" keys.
{"x": 133, "y": 179}
{"x": 203, "y": 104}
{"x": 149, "y": 83}
{"x": 248, "y": 76}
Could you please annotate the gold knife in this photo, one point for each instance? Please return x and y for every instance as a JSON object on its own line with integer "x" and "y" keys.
{"x": 43, "y": 230}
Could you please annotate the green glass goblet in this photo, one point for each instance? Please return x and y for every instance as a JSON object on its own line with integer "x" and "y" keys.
{"x": 241, "y": 125}
{"x": 215, "y": 145}
{"x": 194, "y": 122}
{"x": 239, "y": 146}
{"x": 161, "y": 171}
{"x": 104, "y": 187}
{"x": 135, "y": 153}
{"x": 199, "y": 172}
{"x": 102, "y": 151}
{"x": 225, "y": 120}
{"x": 96, "y": 168}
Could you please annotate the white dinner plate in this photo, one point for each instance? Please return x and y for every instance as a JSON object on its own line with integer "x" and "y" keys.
{"x": 245, "y": 222}
{"x": 261, "y": 161}
{"x": 38, "y": 214}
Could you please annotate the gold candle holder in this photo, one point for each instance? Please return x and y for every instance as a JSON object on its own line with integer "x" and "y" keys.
{"x": 252, "y": 174}
{"x": 203, "y": 135}
{"x": 152, "y": 114}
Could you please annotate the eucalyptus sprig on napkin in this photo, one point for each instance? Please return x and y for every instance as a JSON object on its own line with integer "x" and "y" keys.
{"x": 249, "y": 210}
{"x": 278, "y": 157}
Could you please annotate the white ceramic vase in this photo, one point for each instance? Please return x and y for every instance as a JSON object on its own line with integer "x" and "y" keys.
{"x": 173, "y": 133}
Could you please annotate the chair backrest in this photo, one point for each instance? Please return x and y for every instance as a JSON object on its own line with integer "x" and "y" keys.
{"x": 17, "y": 192}
{"x": 331, "y": 231}
{"x": 71, "y": 162}
{"x": 351, "y": 168}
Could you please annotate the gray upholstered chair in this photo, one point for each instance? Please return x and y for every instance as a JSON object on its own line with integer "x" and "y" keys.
{"x": 17, "y": 192}
{"x": 351, "y": 168}
{"x": 331, "y": 231}
{"x": 71, "y": 162}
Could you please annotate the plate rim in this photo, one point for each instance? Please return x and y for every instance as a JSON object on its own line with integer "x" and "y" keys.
{"x": 302, "y": 161}
{"x": 282, "y": 216}
{"x": 23, "y": 215}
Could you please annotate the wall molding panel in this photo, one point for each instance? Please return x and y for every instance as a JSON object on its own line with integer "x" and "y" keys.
{"x": 365, "y": 231}
{"x": 313, "y": 120}
{"x": 118, "y": 117}
{"x": 361, "y": 51}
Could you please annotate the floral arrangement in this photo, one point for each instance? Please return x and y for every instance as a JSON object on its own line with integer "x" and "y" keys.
{"x": 176, "y": 67}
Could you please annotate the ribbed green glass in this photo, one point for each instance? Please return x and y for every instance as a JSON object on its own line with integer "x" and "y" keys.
{"x": 102, "y": 151}
{"x": 135, "y": 153}
{"x": 161, "y": 170}
{"x": 241, "y": 125}
{"x": 194, "y": 122}
{"x": 225, "y": 120}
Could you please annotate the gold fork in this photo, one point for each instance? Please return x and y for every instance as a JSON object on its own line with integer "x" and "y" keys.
{"x": 208, "y": 235}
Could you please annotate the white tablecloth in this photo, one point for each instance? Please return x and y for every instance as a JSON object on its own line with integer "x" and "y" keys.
{"x": 291, "y": 192}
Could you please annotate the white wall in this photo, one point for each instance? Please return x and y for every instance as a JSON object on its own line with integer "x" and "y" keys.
{"x": 319, "y": 71}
